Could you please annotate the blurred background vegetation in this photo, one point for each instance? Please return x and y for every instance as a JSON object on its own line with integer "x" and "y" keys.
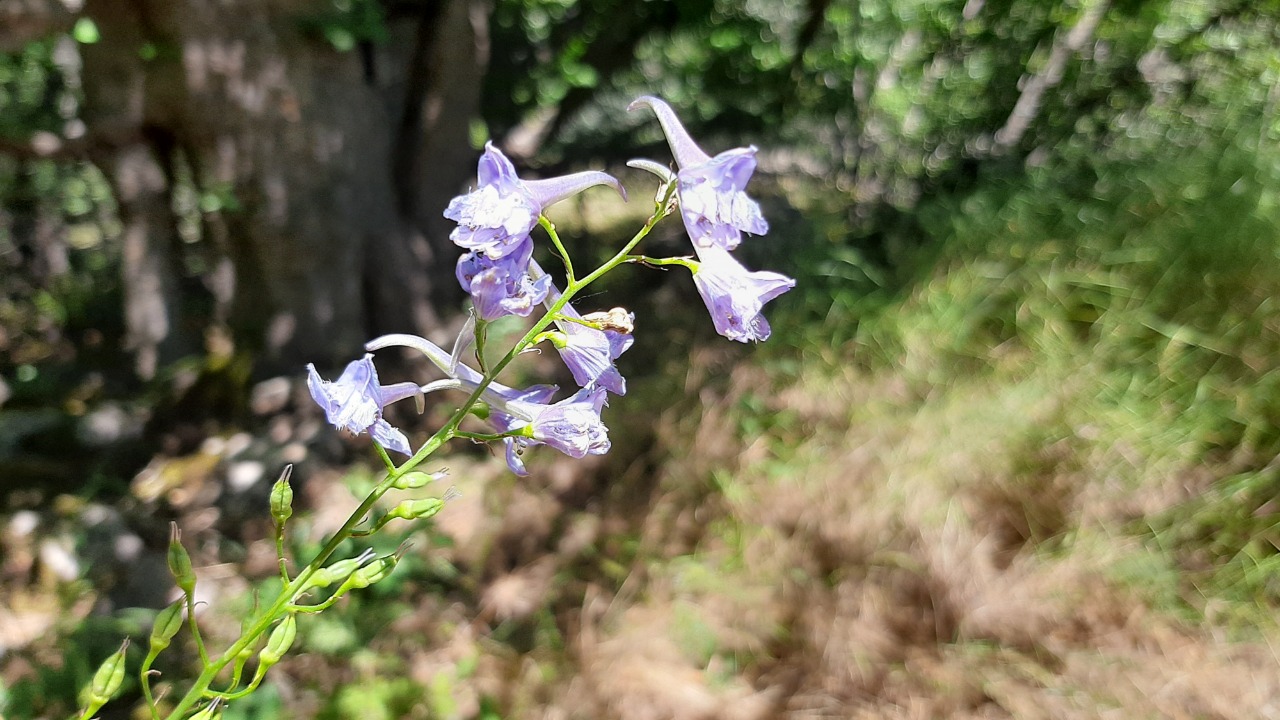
{"x": 1012, "y": 450}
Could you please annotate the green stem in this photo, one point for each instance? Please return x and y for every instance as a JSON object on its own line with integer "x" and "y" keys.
{"x": 657, "y": 262}
{"x": 555, "y": 240}
{"x": 482, "y": 334}
{"x": 490, "y": 437}
{"x": 144, "y": 676}
{"x": 200, "y": 688}
{"x": 195, "y": 628}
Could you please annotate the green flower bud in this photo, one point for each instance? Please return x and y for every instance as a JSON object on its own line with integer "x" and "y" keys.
{"x": 337, "y": 572}
{"x": 180, "y": 561}
{"x": 417, "y": 509}
{"x": 106, "y": 681}
{"x": 417, "y": 479}
{"x": 373, "y": 572}
{"x": 319, "y": 579}
{"x": 282, "y": 497}
{"x": 280, "y": 641}
{"x": 167, "y": 624}
{"x": 212, "y": 711}
{"x": 342, "y": 569}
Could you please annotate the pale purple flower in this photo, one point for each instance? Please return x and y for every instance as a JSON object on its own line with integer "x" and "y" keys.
{"x": 355, "y": 400}
{"x": 713, "y": 204}
{"x": 502, "y": 286}
{"x": 735, "y": 296}
{"x": 588, "y": 352}
{"x": 498, "y": 216}
{"x": 538, "y": 395}
{"x": 572, "y": 426}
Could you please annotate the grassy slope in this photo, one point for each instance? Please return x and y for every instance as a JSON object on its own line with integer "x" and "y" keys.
{"x": 1039, "y": 482}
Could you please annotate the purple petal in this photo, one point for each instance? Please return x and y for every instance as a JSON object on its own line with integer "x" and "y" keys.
{"x": 515, "y": 449}
{"x": 397, "y": 392}
{"x": 502, "y": 286}
{"x": 495, "y": 169}
{"x": 686, "y": 151}
{"x": 713, "y": 205}
{"x": 552, "y": 190}
{"x": 352, "y": 401}
{"x": 735, "y": 296}
{"x": 498, "y": 215}
{"x": 589, "y": 355}
{"x": 389, "y": 437}
{"x": 573, "y": 425}
{"x": 355, "y": 400}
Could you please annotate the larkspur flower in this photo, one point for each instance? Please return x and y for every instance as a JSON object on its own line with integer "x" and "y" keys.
{"x": 713, "y": 204}
{"x": 589, "y": 352}
{"x": 502, "y": 286}
{"x": 735, "y": 296}
{"x": 494, "y": 222}
{"x": 503, "y": 422}
{"x": 572, "y": 426}
{"x": 355, "y": 400}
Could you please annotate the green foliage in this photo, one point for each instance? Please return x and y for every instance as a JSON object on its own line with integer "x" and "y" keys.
{"x": 34, "y": 93}
{"x": 346, "y": 23}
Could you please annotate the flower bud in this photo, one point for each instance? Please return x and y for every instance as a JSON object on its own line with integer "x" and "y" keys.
{"x": 167, "y": 624}
{"x": 417, "y": 509}
{"x": 373, "y": 572}
{"x": 282, "y": 497}
{"x": 180, "y": 561}
{"x": 280, "y": 641}
{"x": 106, "y": 681}
{"x": 212, "y": 711}
{"x": 417, "y": 479}
{"x": 337, "y": 572}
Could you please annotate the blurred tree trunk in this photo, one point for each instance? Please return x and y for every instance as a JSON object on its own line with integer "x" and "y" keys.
{"x": 320, "y": 173}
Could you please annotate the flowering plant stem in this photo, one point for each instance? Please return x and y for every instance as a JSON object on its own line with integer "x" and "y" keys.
{"x": 284, "y": 603}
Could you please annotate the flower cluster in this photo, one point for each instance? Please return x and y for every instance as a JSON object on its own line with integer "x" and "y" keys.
{"x": 497, "y": 269}
{"x": 716, "y": 211}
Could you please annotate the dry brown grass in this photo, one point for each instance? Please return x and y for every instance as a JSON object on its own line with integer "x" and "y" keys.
{"x": 951, "y": 555}
{"x": 883, "y": 549}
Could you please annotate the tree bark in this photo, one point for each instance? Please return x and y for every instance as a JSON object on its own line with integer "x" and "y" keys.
{"x": 325, "y": 241}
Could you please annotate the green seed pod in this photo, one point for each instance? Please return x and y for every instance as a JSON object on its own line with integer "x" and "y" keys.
{"x": 417, "y": 479}
{"x": 280, "y": 641}
{"x": 180, "y": 561}
{"x": 282, "y": 497}
{"x": 417, "y": 509}
{"x": 373, "y": 572}
{"x": 107, "y": 680}
{"x": 167, "y": 624}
